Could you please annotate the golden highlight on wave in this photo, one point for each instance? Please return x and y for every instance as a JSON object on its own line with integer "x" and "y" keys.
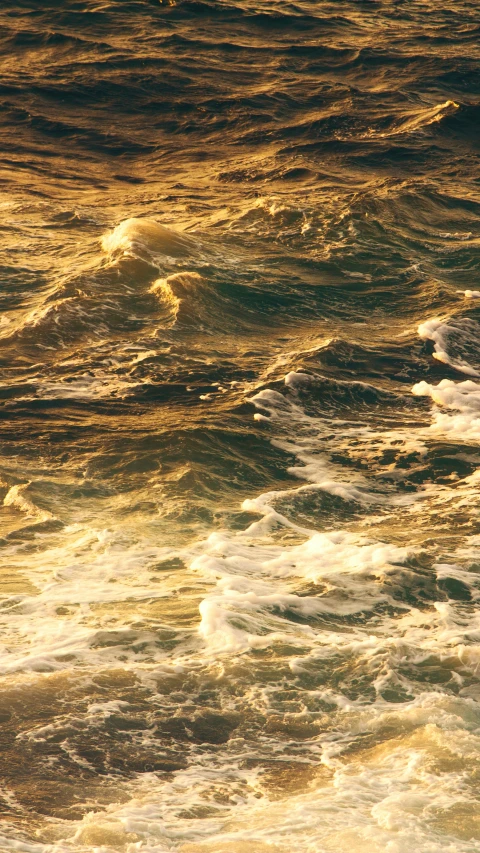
{"x": 174, "y": 289}
{"x": 139, "y": 237}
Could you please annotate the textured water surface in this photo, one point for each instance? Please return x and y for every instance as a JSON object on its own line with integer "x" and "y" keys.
{"x": 240, "y": 426}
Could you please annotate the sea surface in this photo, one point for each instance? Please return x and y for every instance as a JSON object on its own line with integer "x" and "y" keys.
{"x": 239, "y": 426}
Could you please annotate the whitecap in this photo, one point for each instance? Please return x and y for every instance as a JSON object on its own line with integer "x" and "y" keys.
{"x": 452, "y": 339}
{"x": 419, "y": 119}
{"x": 460, "y": 397}
{"x": 145, "y": 238}
{"x": 18, "y": 498}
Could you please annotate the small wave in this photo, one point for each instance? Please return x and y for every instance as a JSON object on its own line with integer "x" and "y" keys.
{"x": 324, "y": 395}
{"x": 147, "y": 239}
{"x": 419, "y": 120}
{"x": 16, "y": 497}
{"x": 56, "y": 323}
{"x": 174, "y": 289}
{"x": 86, "y": 387}
{"x": 311, "y": 423}
{"x": 453, "y": 341}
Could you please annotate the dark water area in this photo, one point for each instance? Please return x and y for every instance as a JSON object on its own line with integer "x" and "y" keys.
{"x": 240, "y": 426}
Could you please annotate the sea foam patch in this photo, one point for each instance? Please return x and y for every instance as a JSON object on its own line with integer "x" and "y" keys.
{"x": 455, "y": 342}
{"x": 462, "y": 399}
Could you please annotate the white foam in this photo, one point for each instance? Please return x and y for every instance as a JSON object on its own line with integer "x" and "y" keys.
{"x": 313, "y": 436}
{"x": 402, "y": 791}
{"x": 461, "y": 397}
{"x": 441, "y": 333}
{"x": 88, "y": 569}
{"x": 237, "y": 614}
{"x": 383, "y": 772}
{"x": 409, "y": 763}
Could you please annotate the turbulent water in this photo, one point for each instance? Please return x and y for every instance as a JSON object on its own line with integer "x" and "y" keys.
{"x": 240, "y": 426}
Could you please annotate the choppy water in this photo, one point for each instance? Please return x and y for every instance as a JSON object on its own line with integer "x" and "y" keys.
{"x": 240, "y": 426}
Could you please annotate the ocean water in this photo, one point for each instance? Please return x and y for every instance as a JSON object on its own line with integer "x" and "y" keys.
{"x": 240, "y": 426}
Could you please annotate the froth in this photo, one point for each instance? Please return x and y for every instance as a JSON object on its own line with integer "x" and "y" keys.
{"x": 451, "y": 339}
{"x": 256, "y": 583}
{"x": 461, "y": 397}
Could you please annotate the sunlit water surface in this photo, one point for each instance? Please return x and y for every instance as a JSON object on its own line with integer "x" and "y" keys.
{"x": 240, "y": 426}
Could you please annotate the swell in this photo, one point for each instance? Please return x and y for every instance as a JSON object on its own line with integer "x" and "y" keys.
{"x": 240, "y": 442}
{"x": 337, "y": 59}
